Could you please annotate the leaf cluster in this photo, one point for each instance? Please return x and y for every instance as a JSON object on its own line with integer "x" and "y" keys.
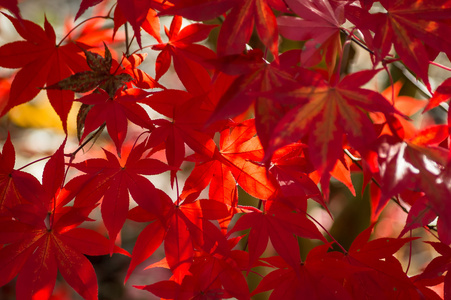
{"x": 254, "y": 119}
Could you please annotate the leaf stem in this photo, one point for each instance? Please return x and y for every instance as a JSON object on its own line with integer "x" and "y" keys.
{"x": 127, "y": 46}
{"x": 440, "y": 66}
{"x": 33, "y": 162}
{"x": 78, "y": 25}
{"x": 87, "y": 141}
{"x": 421, "y": 87}
{"x": 374, "y": 180}
{"x": 410, "y": 253}
{"x": 327, "y": 232}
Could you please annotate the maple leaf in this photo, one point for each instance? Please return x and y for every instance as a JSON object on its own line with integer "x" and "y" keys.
{"x": 42, "y": 237}
{"x": 114, "y": 181}
{"x": 404, "y": 165}
{"x": 222, "y": 188}
{"x": 326, "y": 111}
{"x": 35, "y": 252}
{"x": 11, "y": 5}
{"x": 290, "y": 170}
{"x": 410, "y": 26}
{"x": 187, "y": 57}
{"x": 100, "y": 76}
{"x": 239, "y": 154}
{"x": 384, "y": 276}
{"x": 184, "y": 226}
{"x": 255, "y": 76}
{"x": 16, "y": 187}
{"x": 239, "y": 23}
{"x": 320, "y": 27}
{"x": 216, "y": 275}
{"x": 115, "y": 112}
{"x": 42, "y": 61}
{"x": 320, "y": 269}
{"x": 139, "y": 13}
{"x": 278, "y": 223}
{"x": 188, "y": 116}
{"x": 84, "y": 5}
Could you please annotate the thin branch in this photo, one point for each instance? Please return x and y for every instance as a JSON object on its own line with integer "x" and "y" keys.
{"x": 33, "y": 162}
{"x": 87, "y": 141}
{"x": 421, "y": 87}
{"x": 440, "y": 66}
{"x": 328, "y": 233}
{"x": 127, "y": 46}
{"x": 78, "y": 25}
{"x": 374, "y": 180}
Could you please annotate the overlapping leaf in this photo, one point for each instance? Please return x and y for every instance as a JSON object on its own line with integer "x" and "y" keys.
{"x": 187, "y": 57}
{"x": 42, "y": 62}
{"x": 184, "y": 226}
{"x": 279, "y": 224}
{"x": 115, "y": 112}
{"x": 384, "y": 276}
{"x": 99, "y": 76}
{"x": 16, "y": 187}
{"x": 108, "y": 178}
{"x": 320, "y": 269}
{"x": 239, "y": 23}
{"x": 36, "y": 252}
{"x": 325, "y": 112}
{"x": 42, "y": 237}
{"x": 320, "y": 27}
{"x": 410, "y": 26}
{"x": 417, "y": 167}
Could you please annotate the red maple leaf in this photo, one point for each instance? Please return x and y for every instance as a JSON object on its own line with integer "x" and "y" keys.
{"x": 187, "y": 57}
{"x": 41, "y": 237}
{"x": 16, "y": 187}
{"x": 42, "y": 61}
{"x": 384, "y": 276}
{"x": 115, "y": 112}
{"x": 11, "y": 5}
{"x": 36, "y": 251}
{"x": 326, "y": 110}
{"x": 217, "y": 275}
{"x": 411, "y": 26}
{"x": 320, "y": 27}
{"x": 278, "y": 223}
{"x": 188, "y": 116}
{"x": 184, "y": 226}
{"x": 236, "y": 161}
{"x": 139, "y": 14}
{"x": 408, "y": 166}
{"x": 321, "y": 269}
{"x": 239, "y": 23}
{"x": 114, "y": 181}
{"x": 290, "y": 169}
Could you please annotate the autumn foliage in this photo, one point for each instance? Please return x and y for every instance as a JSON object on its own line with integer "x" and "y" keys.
{"x": 254, "y": 119}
